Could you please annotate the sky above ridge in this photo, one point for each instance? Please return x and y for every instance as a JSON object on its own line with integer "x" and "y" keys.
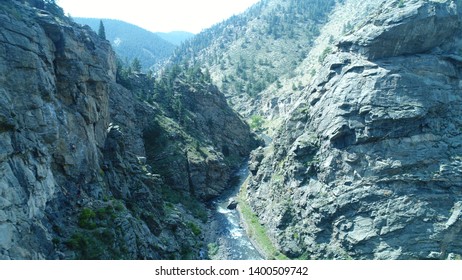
{"x": 159, "y": 15}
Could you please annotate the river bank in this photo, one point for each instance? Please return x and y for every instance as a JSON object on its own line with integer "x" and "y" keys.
{"x": 256, "y": 232}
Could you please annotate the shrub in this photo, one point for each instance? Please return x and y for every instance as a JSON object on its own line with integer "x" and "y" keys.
{"x": 194, "y": 228}
{"x": 87, "y": 219}
{"x": 324, "y": 54}
{"x": 256, "y": 122}
{"x": 86, "y": 246}
{"x": 213, "y": 249}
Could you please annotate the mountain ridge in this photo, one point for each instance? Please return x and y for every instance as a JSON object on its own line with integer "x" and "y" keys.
{"x": 131, "y": 41}
{"x": 249, "y": 53}
{"x": 176, "y": 37}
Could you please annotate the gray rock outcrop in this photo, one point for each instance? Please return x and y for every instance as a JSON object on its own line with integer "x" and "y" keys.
{"x": 75, "y": 179}
{"x": 54, "y": 106}
{"x": 368, "y": 165}
{"x": 420, "y": 28}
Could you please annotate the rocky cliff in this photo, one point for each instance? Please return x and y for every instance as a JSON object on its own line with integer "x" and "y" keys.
{"x": 368, "y": 163}
{"x": 75, "y": 176}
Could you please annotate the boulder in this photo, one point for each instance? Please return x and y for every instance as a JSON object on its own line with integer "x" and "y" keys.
{"x": 232, "y": 204}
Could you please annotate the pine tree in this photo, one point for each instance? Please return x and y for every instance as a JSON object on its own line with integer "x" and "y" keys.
{"x": 101, "y": 30}
{"x": 136, "y": 65}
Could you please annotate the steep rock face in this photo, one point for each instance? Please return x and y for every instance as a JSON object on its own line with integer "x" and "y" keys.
{"x": 228, "y": 135}
{"x": 422, "y": 27}
{"x": 74, "y": 150}
{"x": 54, "y": 116}
{"x": 368, "y": 165}
{"x": 199, "y": 141}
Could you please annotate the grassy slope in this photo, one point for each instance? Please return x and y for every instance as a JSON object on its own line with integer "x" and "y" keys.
{"x": 255, "y": 230}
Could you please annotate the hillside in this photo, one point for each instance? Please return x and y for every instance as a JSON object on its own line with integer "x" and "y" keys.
{"x": 130, "y": 41}
{"x": 252, "y": 53}
{"x": 175, "y": 37}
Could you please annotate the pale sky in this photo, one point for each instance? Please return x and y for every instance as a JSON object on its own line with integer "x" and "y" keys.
{"x": 159, "y": 15}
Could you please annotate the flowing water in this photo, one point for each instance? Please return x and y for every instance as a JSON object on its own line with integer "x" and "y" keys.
{"x": 232, "y": 239}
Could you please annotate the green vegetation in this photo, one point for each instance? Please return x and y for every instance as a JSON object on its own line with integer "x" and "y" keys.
{"x": 87, "y": 219}
{"x": 98, "y": 235}
{"x": 256, "y": 122}
{"x": 213, "y": 249}
{"x": 324, "y": 54}
{"x": 164, "y": 85}
{"x": 255, "y": 230}
{"x": 187, "y": 253}
{"x": 248, "y": 53}
{"x": 136, "y": 65}
{"x": 89, "y": 246}
{"x": 101, "y": 30}
{"x": 197, "y": 209}
{"x": 304, "y": 256}
{"x": 194, "y": 228}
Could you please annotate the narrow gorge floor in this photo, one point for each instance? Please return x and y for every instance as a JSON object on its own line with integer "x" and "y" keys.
{"x": 228, "y": 239}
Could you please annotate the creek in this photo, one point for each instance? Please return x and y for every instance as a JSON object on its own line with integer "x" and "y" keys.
{"x": 231, "y": 239}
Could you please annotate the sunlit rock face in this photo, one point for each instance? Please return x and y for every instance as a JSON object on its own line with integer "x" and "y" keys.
{"x": 368, "y": 165}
